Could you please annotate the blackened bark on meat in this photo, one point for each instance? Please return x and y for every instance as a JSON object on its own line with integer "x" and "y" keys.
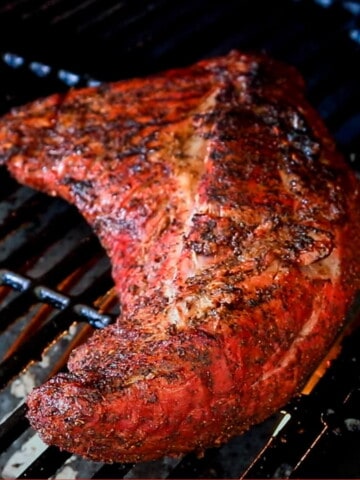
{"x": 229, "y": 219}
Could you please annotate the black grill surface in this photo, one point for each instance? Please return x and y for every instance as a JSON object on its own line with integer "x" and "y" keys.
{"x": 55, "y": 283}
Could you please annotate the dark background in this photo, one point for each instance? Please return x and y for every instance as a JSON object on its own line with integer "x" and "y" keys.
{"x": 110, "y": 40}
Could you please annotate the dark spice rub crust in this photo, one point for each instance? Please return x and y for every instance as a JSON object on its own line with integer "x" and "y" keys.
{"x": 229, "y": 219}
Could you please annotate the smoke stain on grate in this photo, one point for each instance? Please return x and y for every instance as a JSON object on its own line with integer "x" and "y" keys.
{"x": 22, "y": 458}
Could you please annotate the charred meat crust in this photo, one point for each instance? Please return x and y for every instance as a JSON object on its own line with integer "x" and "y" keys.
{"x": 228, "y": 217}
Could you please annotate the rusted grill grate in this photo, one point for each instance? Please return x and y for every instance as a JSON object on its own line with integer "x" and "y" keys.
{"x": 54, "y": 277}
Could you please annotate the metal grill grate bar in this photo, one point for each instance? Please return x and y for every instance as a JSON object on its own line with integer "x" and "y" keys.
{"x": 46, "y": 464}
{"x": 32, "y": 348}
{"x": 13, "y": 427}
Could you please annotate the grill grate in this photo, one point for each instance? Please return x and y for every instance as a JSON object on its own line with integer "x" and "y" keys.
{"x": 54, "y": 277}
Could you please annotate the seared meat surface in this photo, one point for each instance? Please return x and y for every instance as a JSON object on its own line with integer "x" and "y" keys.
{"x": 229, "y": 219}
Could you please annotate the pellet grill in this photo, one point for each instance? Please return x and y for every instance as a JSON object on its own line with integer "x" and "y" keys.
{"x": 55, "y": 283}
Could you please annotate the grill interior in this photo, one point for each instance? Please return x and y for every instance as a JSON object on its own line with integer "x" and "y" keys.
{"x": 55, "y": 283}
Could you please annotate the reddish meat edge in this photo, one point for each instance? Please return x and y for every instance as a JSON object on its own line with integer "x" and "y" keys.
{"x": 231, "y": 223}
